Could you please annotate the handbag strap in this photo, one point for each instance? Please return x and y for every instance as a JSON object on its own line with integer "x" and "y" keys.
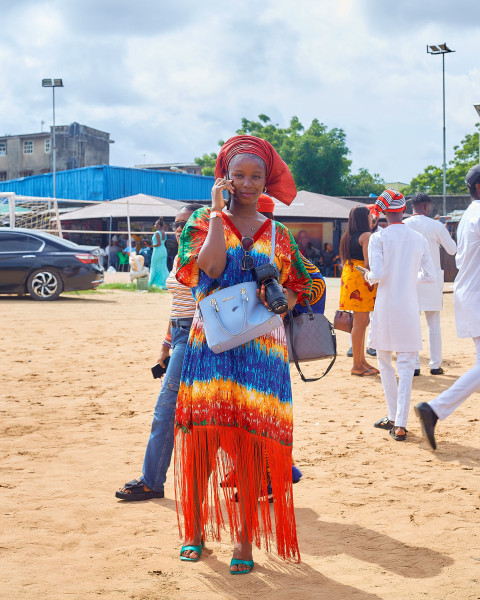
{"x": 272, "y": 251}
{"x": 311, "y": 316}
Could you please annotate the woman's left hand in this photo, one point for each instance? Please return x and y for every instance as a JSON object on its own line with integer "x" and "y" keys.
{"x": 261, "y": 295}
{"x": 363, "y": 271}
{"x": 292, "y": 296}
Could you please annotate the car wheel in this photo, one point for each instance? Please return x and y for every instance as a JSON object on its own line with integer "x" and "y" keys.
{"x": 44, "y": 284}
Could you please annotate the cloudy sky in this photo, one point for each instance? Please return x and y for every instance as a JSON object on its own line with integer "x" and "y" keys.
{"x": 167, "y": 80}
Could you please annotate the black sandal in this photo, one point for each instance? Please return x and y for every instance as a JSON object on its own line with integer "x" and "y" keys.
{"x": 398, "y": 438}
{"x": 135, "y": 490}
{"x": 384, "y": 423}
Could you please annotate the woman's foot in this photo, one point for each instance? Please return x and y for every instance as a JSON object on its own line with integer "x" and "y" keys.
{"x": 363, "y": 373}
{"x": 190, "y": 554}
{"x": 242, "y": 551}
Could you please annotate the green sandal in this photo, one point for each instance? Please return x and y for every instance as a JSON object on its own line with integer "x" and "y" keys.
{"x": 197, "y": 549}
{"x": 238, "y": 561}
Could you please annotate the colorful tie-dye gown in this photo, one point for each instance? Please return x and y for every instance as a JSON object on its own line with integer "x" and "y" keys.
{"x": 235, "y": 408}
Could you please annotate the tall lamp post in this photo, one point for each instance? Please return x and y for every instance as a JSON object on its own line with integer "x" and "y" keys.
{"x": 477, "y": 108}
{"x": 442, "y": 49}
{"x": 53, "y": 83}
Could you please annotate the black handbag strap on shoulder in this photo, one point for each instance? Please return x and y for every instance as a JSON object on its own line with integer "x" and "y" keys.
{"x": 311, "y": 316}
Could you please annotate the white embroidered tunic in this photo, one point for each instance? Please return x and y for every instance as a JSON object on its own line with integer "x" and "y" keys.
{"x": 430, "y": 294}
{"x": 467, "y": 282}
{"x": 398, "y": 257}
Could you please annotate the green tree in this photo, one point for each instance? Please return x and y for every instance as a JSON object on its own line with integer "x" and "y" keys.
{"x": 431, "y": 180}
{"x": 317, "y": 156}
{"x": 207, "y": 162}
{"x": 364, "y": 183}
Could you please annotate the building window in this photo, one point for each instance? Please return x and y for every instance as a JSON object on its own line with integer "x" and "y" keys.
{"x": 26, "y": 173}
{"x": 28, "y": 147}
{"x": 3, "y": 148}
{"x": 47, "y": 145}
{"x": 3, "y": 176}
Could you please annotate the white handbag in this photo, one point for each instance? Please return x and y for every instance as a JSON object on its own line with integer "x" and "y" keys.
{"x": 235, "y": 315}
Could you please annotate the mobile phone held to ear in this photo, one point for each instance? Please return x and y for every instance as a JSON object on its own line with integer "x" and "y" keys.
{"x": 159, "y": 371}
{"x": 229, "y": 193}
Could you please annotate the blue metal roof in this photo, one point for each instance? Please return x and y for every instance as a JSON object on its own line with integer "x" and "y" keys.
{"x": 104, "y": 182}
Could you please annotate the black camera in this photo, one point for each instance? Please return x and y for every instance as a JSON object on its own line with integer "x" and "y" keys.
{"x": 267, "y": 275}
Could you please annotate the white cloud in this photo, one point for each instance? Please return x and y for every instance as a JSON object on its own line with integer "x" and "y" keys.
{"x": 168, "y": 80}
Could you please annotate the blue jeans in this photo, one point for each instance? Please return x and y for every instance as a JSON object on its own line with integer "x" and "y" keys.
{"x": 160, "y": 445}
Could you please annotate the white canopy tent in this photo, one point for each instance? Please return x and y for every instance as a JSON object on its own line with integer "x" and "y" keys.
{"x": 139, "y": 205}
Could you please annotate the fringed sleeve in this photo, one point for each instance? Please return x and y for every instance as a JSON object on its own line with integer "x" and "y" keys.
{"x": 317, "y": 292}
{"x": 191, "y": 241}
{"x": 294, "y": 275}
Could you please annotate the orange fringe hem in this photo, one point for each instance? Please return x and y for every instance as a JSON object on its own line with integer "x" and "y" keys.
{"x": 204, "y": 456}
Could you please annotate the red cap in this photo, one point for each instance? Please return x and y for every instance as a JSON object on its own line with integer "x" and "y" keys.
{"x": 265, "y": 204}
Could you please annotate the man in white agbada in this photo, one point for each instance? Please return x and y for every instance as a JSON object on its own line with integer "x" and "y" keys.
{"x": 398, "y": 258}
{"x": 466, "y": 294}
{"x": 430, "y": 295}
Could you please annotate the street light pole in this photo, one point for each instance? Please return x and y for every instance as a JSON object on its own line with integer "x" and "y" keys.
{"x": 53, "y": 83}
{"x": 443, "y": 49}
{"x": 477, "y": 108}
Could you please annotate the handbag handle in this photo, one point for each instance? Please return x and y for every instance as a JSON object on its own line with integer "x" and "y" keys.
{"x": 216, "y": 311}
{"x": 272, "y": 251}
{"x": 311, "y": 316}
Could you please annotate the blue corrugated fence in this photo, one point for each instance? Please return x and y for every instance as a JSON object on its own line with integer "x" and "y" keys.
{"x": 109, "y": 183}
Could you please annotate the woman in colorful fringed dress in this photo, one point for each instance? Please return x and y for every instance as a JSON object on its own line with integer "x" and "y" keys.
{"x": 235, "y": 408}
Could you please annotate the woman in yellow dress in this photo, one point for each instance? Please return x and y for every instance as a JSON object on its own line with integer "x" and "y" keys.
{"x": 355, "y": 293}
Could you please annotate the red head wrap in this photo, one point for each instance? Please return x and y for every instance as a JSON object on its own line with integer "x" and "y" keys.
{"x": 280, "y": 182}
{"x": 265, "y": 204}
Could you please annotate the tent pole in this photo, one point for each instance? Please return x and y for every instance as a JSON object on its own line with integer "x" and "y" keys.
{"x": 128, "y": 226}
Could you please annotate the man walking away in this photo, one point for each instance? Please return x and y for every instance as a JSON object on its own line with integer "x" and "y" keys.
{"x": 467, "y": 312}
{"x": 398, "y": 257}
{"x": 430, "y": 295}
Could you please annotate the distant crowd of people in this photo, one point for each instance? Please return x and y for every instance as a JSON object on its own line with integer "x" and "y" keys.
{"x": 142, "y": 257}
{"x": 324, "y": 259}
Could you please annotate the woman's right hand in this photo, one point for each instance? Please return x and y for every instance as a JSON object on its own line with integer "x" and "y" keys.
{"x": 221, "y": 184}
{"x": 164, "y": 353}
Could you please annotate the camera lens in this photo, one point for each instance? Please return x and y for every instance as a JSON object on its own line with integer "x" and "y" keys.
{"x": 278, "y": 306}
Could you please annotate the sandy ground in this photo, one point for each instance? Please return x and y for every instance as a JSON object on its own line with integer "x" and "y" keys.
{"x": 377, "y": 519}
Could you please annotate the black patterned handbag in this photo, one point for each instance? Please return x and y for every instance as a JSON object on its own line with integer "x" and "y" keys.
{"x": 310, "y": 337}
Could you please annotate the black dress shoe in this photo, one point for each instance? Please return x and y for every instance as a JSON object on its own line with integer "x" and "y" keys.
{"x": 428, "y": 420}
{"x": 438, "y": 371}
{"x": 416, "y": 373}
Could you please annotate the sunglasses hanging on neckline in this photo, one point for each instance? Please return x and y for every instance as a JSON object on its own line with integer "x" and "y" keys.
{"x": 247, "y": 260}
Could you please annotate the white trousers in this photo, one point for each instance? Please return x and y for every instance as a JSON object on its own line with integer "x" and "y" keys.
{"x": 397, "y": 397}
{"x": 434, "y": 339}
{"x": 466, "y": 384}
